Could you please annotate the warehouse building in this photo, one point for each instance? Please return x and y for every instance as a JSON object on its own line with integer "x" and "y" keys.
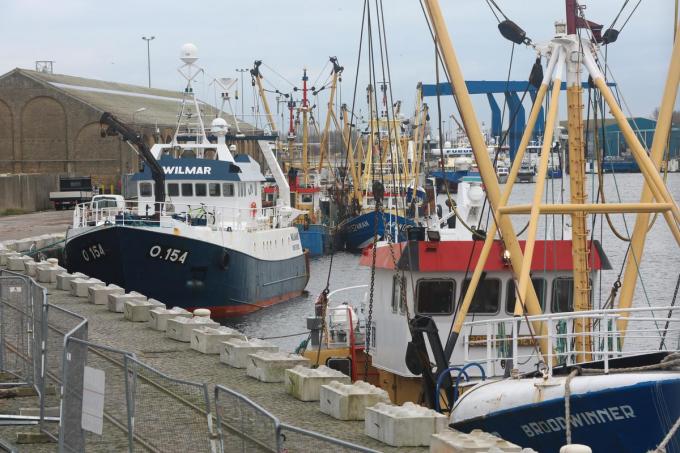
{"x": 49, "y": 123}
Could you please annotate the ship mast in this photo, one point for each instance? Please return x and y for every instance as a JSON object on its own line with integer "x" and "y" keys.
{"x": 577, "y": 185}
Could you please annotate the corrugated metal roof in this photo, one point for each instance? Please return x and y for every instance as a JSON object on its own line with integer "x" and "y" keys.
{"x": 122, "y": 100}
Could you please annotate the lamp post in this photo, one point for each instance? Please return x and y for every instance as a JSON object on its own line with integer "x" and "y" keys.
{"x": 139, "y": 110}
{"x": 243, "y": 110}
{"x": 148, "y": 55}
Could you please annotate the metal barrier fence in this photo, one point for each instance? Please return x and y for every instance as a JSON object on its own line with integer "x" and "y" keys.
{"x": 244, "y": 426}
{"x": 144, "y": 409}
{"x": 16, "y": 328}
{"x": 46, "y": 346}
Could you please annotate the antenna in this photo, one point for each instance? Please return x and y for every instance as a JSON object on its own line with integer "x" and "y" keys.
{"x": 44, "y": 66}
{"x": 225, "y": 83}
{"x": 189, "y": 55}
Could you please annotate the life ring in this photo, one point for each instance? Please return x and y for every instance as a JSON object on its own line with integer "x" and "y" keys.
{"x": 253, "y": 209}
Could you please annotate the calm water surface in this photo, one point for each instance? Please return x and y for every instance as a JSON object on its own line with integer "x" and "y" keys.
{"x": 659, "y": 269}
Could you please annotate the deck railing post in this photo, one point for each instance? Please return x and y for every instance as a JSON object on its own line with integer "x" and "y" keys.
{"x": 605, "y": 320}
{"x": 489, "y": 339}
{"x": 550, "y": 344}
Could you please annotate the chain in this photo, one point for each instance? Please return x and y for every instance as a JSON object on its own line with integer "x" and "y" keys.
{"x": 374, "y": 251}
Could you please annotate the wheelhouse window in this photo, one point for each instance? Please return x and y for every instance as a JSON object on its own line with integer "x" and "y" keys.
{"x": 201, "y": 190}
{"x": 435, "y": 296}
{"x": 187, "y": 190}
{"x": 227, "y": 189}
{"x": 540, "y": 286}
{"x": 214, "y": 189}
{"x": 306, "y": 198}
{"x": 487, "y": 296}
{"x": 173, "y": 189}
{"x": 398, "y": 294}
{"x": 563, "y": 295}
{"x": 145, "y": 189}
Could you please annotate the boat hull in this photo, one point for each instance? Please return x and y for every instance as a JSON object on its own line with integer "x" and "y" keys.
{"x": 358, "y": 232}
{"x": 227, "y": 281}
{"x": 626, "y": 419}
{"x": 316, "y": 238}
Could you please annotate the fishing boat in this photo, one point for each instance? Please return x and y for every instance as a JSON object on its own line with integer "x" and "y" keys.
{"x": 387, "y": 192}
{"x": 197, "y": 235}
{"x": 554, "y": 370}
{"x": 502, "y": 334}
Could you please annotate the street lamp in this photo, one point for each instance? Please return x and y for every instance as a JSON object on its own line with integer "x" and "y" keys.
{"x": 242, "y": 71}
{"x": 139, "y": 110}
{"x": 148, "y": 55}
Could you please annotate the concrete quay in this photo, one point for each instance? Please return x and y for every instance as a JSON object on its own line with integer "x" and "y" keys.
{"x": 177, "y": 359}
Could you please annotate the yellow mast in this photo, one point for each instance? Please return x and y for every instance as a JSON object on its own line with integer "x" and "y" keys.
{"x": 256, "y": 76}
{"x": 323, "y": 148}
{"x": 479, "y": 150}
{"x": 663, "y": 127}
{"x": 305, "y": 127}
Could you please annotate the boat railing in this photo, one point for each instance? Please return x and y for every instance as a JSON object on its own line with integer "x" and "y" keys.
{"x": 168, "y": 215}
{"x": 499, "y": 342}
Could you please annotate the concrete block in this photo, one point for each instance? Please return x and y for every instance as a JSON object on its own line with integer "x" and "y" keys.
{"x": 80, "y": 287}
{"x": 409, "y": 425}
{"x": 179, "y": 328}
{"x": 99, "y": 294}
{"x": 5, "y": 255}
{"x": 159, "y": 317}
{"x": 235, "y": 352}
{"x": 10, "y": 245}
{"x": 18, "y": 262}
{"x": 24, "y": 245}
{"x": 304, "y": 383}
{"x": 208, "y": 340}
{"x": 452, "y": 441}
{"x": 47, "y": 273}
{"x": 348, "y": 402}
{"x": 31, "y": 268}
{"x": 116, "y": 302}
{"x": 138, "y": 310}
{"x": 271, "y": 366}
{"x": 64, "y": 280}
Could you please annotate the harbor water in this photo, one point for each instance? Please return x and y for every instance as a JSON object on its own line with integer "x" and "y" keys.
{"x": 659, "y": 269}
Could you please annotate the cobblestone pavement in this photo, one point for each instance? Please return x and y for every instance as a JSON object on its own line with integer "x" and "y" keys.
{"x": 180, "y": 361}
{"x": 34, "y": 224}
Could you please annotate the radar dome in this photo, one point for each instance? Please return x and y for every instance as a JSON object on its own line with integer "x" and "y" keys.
{"x": 188, "y": 53}
{"x": 219, "y": 126}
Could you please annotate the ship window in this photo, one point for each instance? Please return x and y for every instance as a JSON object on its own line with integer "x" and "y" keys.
{"x": 145, "y": 189}
{"x": 214, "y": 189}
{"x": 241, "y": 189}
{"x": 173, "y": 189}
{"x": 306, "y": 198}
{"x": 540, "y": 287}
{"x": 251, "y": 188}
{"x": 487, "y": 296}
{"x": 227, "y": 189}
{"x": 435, "y": 296}
{"x": 563, "y": 294}
{"x": 201, "y": 190}
{"x": 187, "y": 190}
{"x": 398, "y": 296}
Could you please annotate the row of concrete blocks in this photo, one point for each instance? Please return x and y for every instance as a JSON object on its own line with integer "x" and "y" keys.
{"x": 36, "y": 242}
{"x": 399, "y": 426}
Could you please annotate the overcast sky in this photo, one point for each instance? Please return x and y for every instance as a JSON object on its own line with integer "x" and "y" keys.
{"x": 103, "y": 40}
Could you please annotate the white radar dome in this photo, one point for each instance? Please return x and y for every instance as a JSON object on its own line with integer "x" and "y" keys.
{"x": 219, "y": 126}
{"x": 476, "y": 193}
{"x": 188, "y": 53}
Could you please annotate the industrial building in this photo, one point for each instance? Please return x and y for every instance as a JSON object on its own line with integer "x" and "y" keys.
{"x": 49, "y": 123}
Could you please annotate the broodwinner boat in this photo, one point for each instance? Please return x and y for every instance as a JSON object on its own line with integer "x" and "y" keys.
{"x": 197, "y": 235}
{"x": 504, "y": 335}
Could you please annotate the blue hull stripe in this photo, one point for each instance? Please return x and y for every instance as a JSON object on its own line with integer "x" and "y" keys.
{"x": 632, "y": 419}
